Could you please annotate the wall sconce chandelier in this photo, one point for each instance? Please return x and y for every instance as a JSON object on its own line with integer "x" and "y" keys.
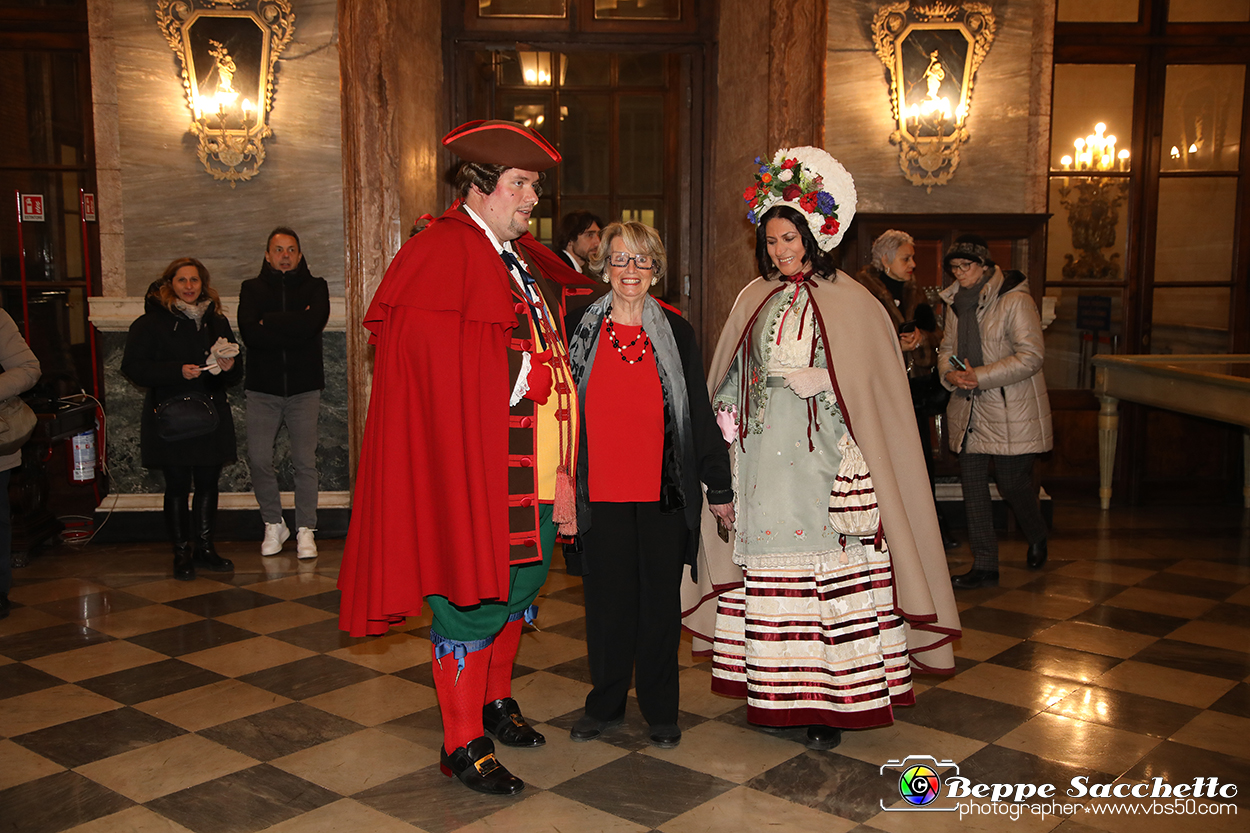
{"x": 1094, "y": 210}
{"x": 931, "y": 52}
{"x": 227, "y": 52}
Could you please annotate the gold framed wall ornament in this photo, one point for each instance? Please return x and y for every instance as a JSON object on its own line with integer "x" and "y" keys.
{"x": 931, "y": 52}
{"x": 227, "y": 50}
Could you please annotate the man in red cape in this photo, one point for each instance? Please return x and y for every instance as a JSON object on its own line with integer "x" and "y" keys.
{"x": 465, "y": 471}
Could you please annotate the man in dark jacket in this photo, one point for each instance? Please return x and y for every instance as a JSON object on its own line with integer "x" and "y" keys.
{"x": 577, "y": 237}
{"x": 282, "y": 312}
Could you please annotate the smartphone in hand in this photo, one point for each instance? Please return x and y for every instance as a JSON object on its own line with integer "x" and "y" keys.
{"x": 958, "y": 363}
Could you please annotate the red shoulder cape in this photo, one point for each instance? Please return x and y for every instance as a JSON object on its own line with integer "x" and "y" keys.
{"x": 430, "y": 509}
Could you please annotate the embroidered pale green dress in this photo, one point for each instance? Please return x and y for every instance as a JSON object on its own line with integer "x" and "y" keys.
{"x": 811, "y": 637}
{"x": 782, "y": 486}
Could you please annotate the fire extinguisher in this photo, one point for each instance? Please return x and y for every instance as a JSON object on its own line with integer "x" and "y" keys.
{"x": 83, "y": 456}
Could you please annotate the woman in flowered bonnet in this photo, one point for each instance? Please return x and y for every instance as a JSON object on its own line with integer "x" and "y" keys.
{"x": 816, "y": 609}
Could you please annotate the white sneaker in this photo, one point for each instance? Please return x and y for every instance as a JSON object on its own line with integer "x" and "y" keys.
{"x": 305, "y": 546}
{"x": 275, "y": 537}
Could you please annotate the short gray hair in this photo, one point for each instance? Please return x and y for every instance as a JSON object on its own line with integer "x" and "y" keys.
{"x": 885, "y": 247}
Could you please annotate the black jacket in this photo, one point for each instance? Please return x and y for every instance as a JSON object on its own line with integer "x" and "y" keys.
{"x": 284, "y": 352}
{"x": 679, "y": 486}
{"x": 160, "y": 342}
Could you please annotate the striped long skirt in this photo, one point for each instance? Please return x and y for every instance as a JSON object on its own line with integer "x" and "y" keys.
{"x": 816, "y": 644}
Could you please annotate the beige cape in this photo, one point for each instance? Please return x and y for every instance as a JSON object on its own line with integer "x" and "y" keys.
{"x": 871, "y": 385}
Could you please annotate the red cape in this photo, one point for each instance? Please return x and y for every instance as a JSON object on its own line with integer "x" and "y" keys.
{"x": 430, "y": 510}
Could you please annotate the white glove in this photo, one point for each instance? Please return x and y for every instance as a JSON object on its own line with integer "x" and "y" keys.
{"x": 221, "y": 349}
{"x": 809, "y": 382}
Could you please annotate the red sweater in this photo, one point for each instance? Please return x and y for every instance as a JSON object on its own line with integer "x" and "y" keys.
{"x": 624, "y": 422}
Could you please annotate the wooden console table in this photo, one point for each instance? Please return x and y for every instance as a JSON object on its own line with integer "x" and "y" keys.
{"x": 1212, "y": 386}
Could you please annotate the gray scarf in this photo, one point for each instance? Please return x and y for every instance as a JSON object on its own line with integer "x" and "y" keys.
{"x": 965, "y": 304}
{"x": 584, "y": 344}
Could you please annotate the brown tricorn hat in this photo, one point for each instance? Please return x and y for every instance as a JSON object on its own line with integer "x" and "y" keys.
{"x": 498, "y": 142}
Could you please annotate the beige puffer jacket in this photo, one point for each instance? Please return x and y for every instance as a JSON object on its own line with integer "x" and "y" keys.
{"x": 1010, "y": 413}
{"x": 19, "y": 370}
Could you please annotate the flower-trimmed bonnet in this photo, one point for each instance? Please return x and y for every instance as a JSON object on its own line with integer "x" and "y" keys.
{"x": 813, "y": 183}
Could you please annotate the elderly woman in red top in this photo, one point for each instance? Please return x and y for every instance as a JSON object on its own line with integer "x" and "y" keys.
{"x": 648, "y": 437}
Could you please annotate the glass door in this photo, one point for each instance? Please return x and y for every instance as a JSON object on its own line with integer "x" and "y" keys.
{"x": 46, "y": 151}
{"x": 612, "y": 115}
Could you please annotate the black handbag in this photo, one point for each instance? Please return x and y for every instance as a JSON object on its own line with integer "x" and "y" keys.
{"x": 928, "y": 396}
{"x": 186, "y": 416}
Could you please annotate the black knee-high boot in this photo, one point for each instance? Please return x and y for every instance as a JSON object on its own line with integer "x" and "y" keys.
{"x": 204, "y": 508}
{"x": 178, "y": 525}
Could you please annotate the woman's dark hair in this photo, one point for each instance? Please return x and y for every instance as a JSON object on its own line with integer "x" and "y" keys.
{"x": 820, "y": 261}
{"x": 165, "y": 288}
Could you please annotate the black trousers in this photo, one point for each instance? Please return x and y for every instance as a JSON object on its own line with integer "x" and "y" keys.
{"x": 633, "y": 608}
{"x": 1014, "y": 475}
{"x": 178, "y": 480}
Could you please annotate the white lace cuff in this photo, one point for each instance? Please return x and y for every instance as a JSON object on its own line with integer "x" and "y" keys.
{"x": 522, "y": 386}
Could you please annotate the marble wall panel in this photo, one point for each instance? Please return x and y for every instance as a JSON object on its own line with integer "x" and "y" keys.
{"x": 1002, "y": 166}
{"x": 173, "y": 208}
{"x": 124, "y": 401}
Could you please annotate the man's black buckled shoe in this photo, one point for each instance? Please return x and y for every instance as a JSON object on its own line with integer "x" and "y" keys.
{"x": 502, "y": 718}
{"x": 476, "y": 767}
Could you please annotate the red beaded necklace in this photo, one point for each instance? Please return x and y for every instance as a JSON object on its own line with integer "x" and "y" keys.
{"x": 620, "y": 349}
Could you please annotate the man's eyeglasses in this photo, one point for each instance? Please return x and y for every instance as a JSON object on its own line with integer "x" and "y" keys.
{"x": 961, "y": 266}
{"x": 621, "y": 259}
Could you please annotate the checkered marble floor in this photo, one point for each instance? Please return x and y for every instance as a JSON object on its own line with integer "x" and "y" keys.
{"x": 132, "y": 702}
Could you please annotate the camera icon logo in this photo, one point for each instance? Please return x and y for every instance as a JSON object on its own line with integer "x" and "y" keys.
{"x": 919, "y": 784}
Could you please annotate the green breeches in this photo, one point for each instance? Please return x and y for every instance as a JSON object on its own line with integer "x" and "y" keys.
{"x": 484, "y": 620}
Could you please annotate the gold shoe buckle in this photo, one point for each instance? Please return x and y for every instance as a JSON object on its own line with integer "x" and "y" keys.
{"x": 480, "y": 764}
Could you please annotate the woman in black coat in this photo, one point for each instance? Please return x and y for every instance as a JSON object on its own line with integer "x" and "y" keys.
{"x": 647, "y": 439}
{"x": 183, "y": 345}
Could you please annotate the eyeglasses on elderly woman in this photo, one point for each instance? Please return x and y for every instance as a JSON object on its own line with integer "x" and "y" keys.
{"x": 622, "y": 259}
{"x": 961, "y": 266}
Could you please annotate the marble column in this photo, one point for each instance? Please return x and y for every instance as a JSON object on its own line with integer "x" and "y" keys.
{"x": 769, "y": 94}
{"x": 796, "y": 73}
{"x": 391, "y": 68}
{"x": 108, "y": 163}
